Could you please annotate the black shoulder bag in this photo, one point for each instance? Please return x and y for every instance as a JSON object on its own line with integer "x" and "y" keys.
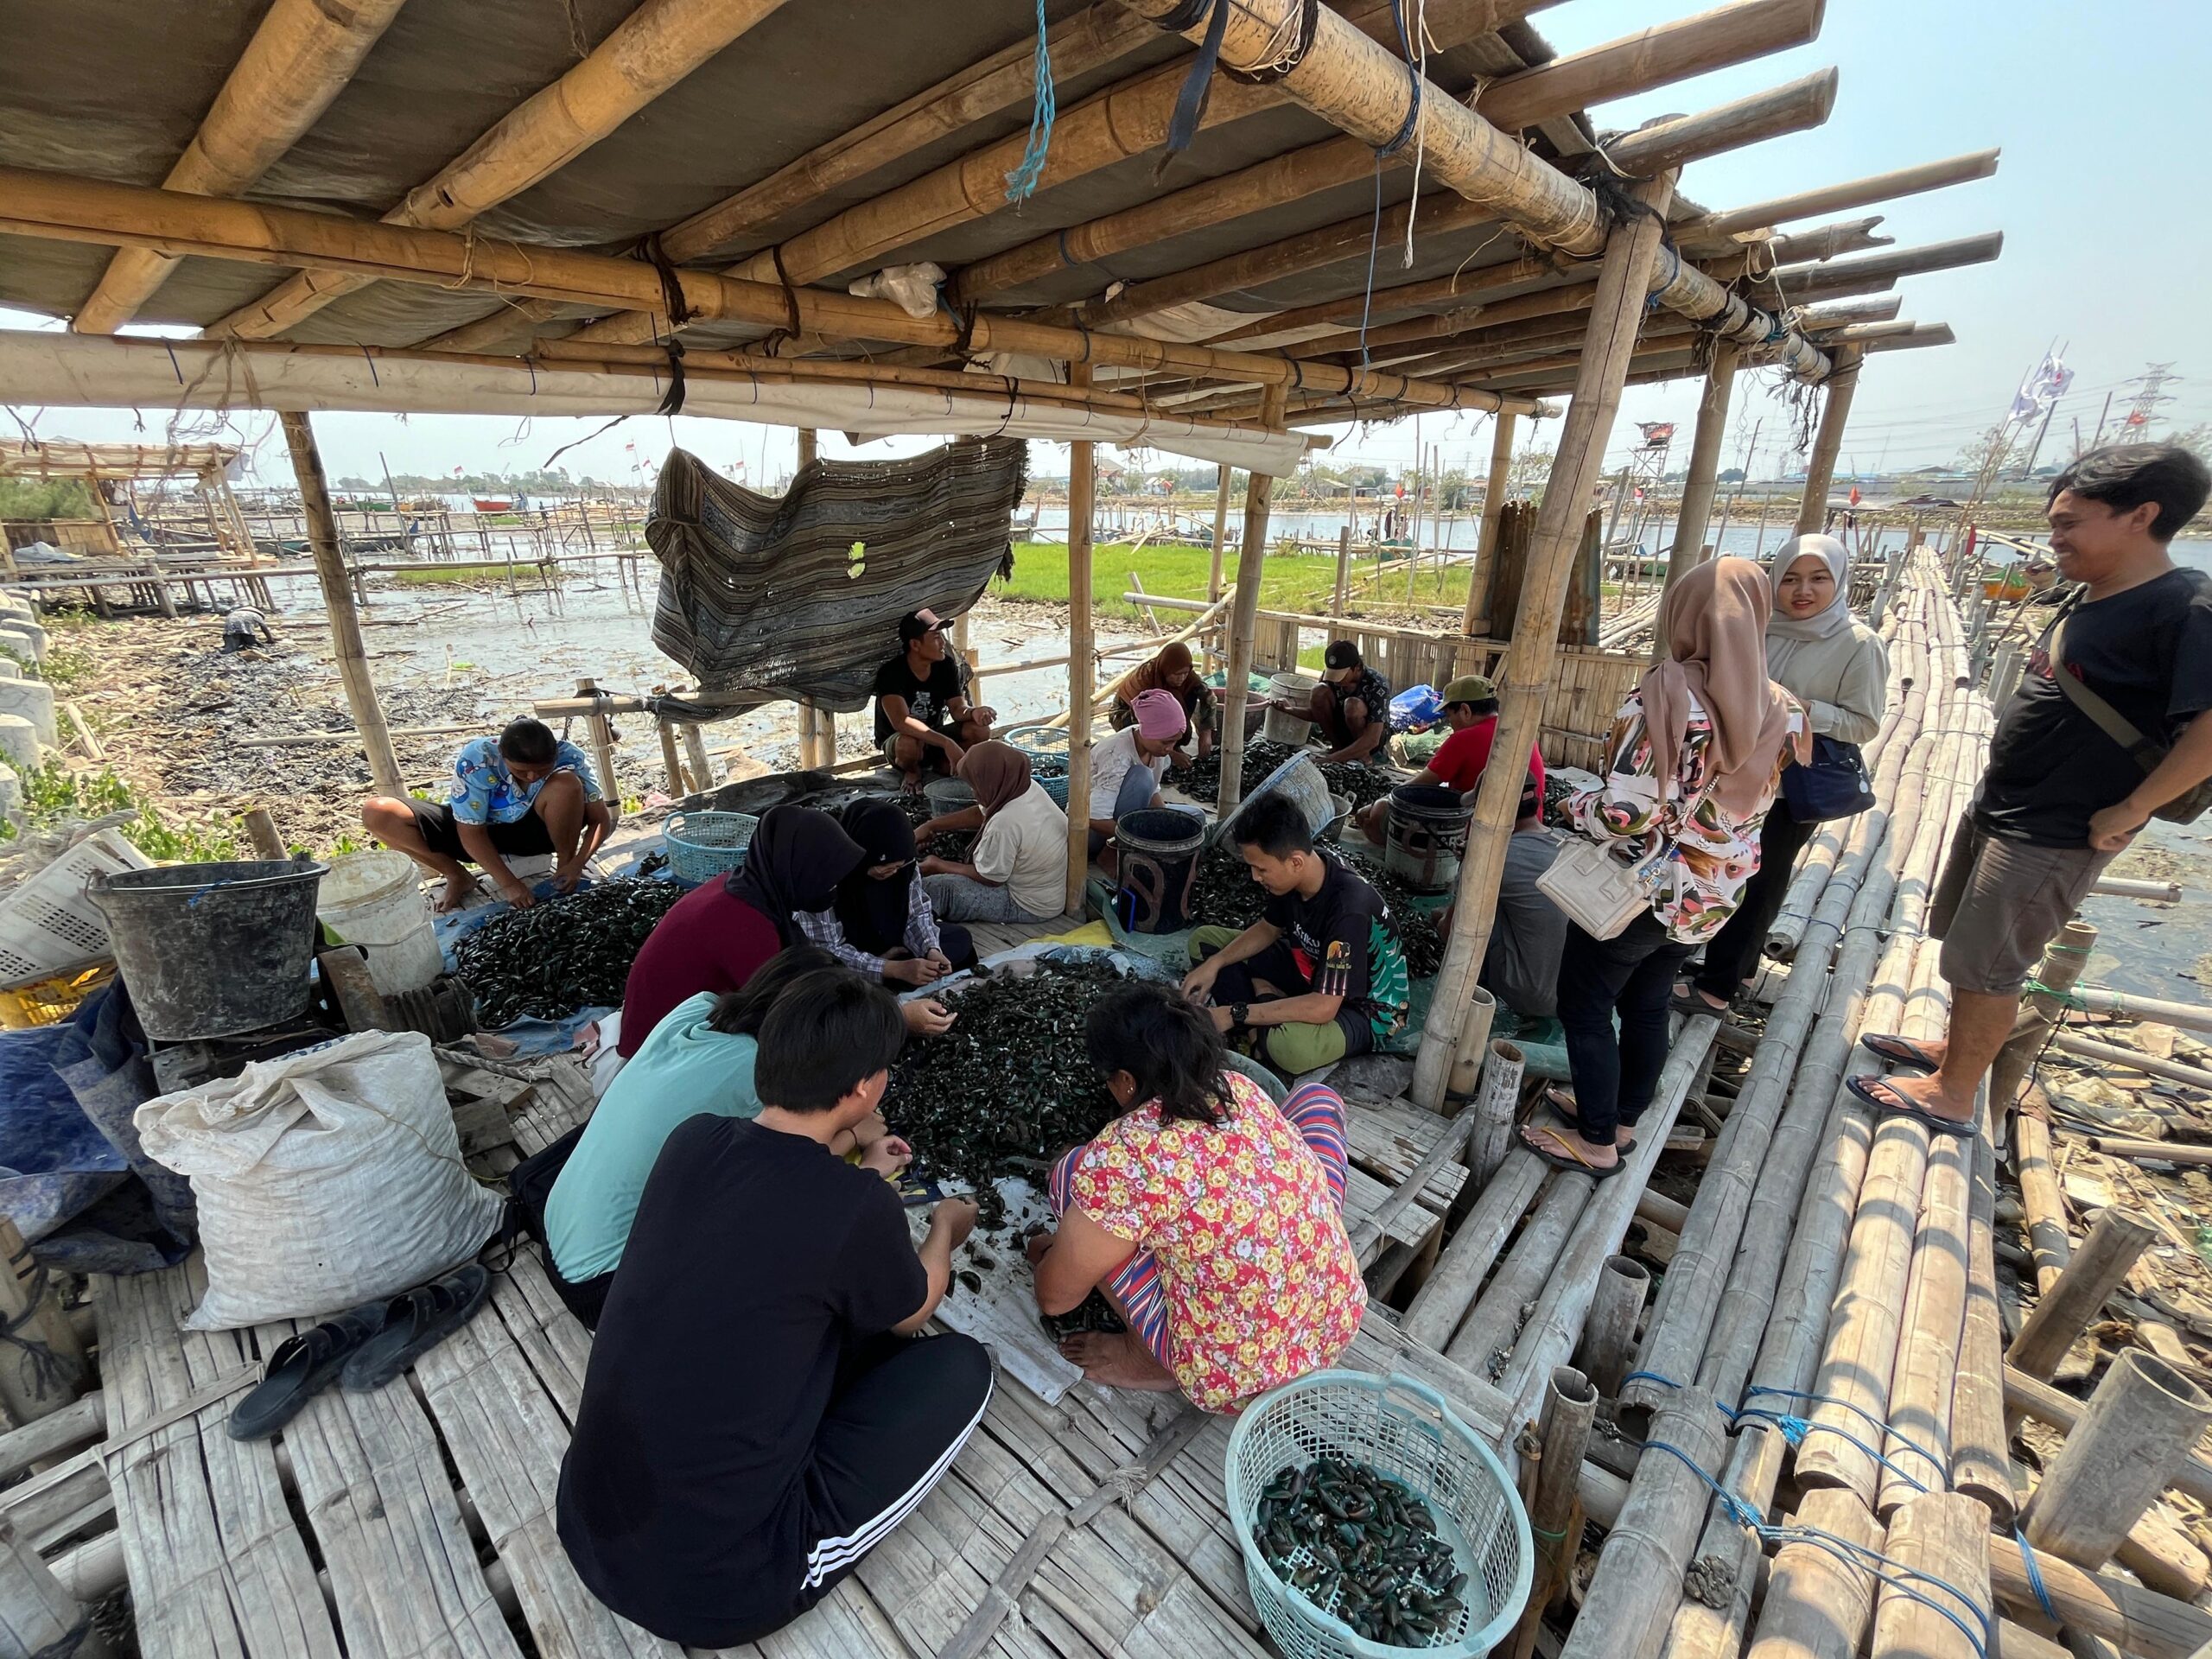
{"x": 2186, "y": 808}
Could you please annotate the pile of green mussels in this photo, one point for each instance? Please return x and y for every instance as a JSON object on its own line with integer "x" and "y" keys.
{"x": 959, "y": 845}
{"x": 570, "y": 952}
{"x": 1356, "y": 782}
{"x": 1225, "y": 895}
{"x": 1010, "y": 1086}
{"x": 1360, "y": 1545}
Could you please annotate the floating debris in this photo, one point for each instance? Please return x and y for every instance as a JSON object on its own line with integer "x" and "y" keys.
{"x": 1363, "y": 1547}
{"x": 1010, "y": 1086}
{"x": 563, "y": 953}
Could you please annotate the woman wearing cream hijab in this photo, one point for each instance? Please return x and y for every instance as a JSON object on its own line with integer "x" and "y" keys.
{"x": 1690, "y": 768}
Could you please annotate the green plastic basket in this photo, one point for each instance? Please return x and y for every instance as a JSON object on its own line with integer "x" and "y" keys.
{"x": 704, "y": 845}
{"x": 1404, "y": 1429}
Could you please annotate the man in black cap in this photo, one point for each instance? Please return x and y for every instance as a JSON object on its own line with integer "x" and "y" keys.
{"x": 923, "y": 719}
{"x": 1352, "y": 706}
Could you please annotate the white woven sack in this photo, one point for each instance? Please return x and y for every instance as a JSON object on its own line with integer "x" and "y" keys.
{"x": 327, "y": 1177}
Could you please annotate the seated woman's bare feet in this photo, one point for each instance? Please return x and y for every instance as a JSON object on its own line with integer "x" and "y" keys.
{"x": 1117, "y": 1360}
{"x": 459, "y": 889}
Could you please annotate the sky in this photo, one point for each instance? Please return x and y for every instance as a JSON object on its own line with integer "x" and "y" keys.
{"x": 2098, "y": 194}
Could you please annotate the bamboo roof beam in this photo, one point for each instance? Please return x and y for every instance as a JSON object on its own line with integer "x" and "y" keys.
{"x": 1878, "y": 308}
{"x": 1675, "y": 140}
{"x": 302, "y": 52}
{"x": 1827, "y": 241}
{"x": 1351, "y": 81}
{"x": 1804, "y": 103}
{"x": 650, "y": 50}
{"x": 1842, "y": 198}
{"x": 1118, "y": 123}
{"x": 1089, "y": 40}
{"x": 1553, "y": 381}
{"x": 1795, "y": 280}
{"x": 1280, "y": 327}
{"x": 85, "y": 210}
{"x": 1655, "y": 57}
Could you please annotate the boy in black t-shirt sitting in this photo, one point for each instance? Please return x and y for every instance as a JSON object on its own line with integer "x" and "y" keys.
{"x": 758, "y": 1413}
{"x": 923, "y": 719}
{"x": 1322, "y": 974}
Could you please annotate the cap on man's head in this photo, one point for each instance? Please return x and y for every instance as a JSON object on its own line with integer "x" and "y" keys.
{"x": 1342, "y": 654}
{"x": 1470, "y": 688}
{"x": 915, "y": 624}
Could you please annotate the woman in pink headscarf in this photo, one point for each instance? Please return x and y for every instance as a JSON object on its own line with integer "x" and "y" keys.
{"x": 1690, "y": 770}
{"x": 1129, "y": 767}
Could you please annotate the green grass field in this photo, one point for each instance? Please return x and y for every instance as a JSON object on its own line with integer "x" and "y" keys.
{"x": 1290, "y": 582}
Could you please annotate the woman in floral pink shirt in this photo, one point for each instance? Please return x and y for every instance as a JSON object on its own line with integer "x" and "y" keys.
{"x": 1690, "y": 771}
{"x": 1212, "y": 1219}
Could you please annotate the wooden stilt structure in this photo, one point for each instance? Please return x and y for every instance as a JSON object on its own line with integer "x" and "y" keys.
{"x": 1482, "y": 582}
{"x": 338, "y": 599}
{"x": 1244, "y": 618}
{"x": 1082, "y": 482}
{"x": 1696, "y": 507}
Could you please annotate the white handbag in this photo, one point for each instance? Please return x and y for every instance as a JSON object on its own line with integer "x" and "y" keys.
{"x": 1597, "y": 892}
{"x": 1601, "y": 893}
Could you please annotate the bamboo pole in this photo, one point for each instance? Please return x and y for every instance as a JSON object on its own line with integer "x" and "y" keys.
{"x": 39, "y": 1617}
{"x": 1615, "y": 316}
{"x": 1653, "y": 58}
{"x": 2142, "y": 1622}
{"x": 1221, "y": 535}
{"x": 338, "y": 599}
{"x": 1495, "y": 1108}
{"x": 1494, "y": 1322}
{"x": 2079, "y": 1294}
{"x": 2136, "y": 1431}
{"x": 1820, "y": 470}
{"x": 2133, "y": 1059}
{"x": 300, "y": 58}
{"x": 73, "y": 209}
{"x": 1842, "y": 198}
{"x": 647, "y": 53}
{"x": 1609, "y": 1334}
{"x": 1620, "y": 1618}
{"x": 602, "y": 742}
{"x": 1482, "y": 581}
{"x": 1442, "y": 1301}
{"x": 674, "y": 768}
{"x": 1981, "y": 1464}
{"x": 1938, "y": 1606}
{"x": 2122, "y": 888}
{"x": 2030, "y": 1397}
{"x": 1358, "y": 86}
{"x": 2151, "y": 1152}
{"x": 1082, "y": 484}
{"x": 2044, "y": 1205}
{"x": 695, "y": 755}
{"x": 1696, "y": 506}
{"x": 1837, "y": 279}
{"x": 1932, "y": 1328}
{"x": 1550, "y": 1488}
{"x": 1829, "y": 241}
{"x": 1819, "y": 1601}
{"x": 1243, "y": 619}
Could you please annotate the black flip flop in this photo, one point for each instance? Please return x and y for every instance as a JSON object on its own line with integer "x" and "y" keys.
{"x": 300, "y": 1367}
{"x": 1569, "y": 1162}
{"x": 1563, "y": 1108}
{"x": 1688, "y": 1001}
{"x": 1897, "y": 1105}
{"x": 416, "y": 1322}
{"x": 1898, "y": 1051}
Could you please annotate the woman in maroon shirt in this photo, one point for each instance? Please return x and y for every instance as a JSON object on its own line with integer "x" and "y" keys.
{"x": 718, "y": 934}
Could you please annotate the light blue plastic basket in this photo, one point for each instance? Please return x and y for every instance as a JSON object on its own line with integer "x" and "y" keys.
{"x": 1404, "y": 1429}
{"x": 704, "y": 845}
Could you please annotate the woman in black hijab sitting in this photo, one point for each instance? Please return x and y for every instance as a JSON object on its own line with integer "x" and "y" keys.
{"x": 880, "y": 923}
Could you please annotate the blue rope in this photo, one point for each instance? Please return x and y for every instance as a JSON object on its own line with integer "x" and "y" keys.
{"x": 1795, "y": 1429}
{"x": 1650, "y": 1376}
{"x": 1021, "y": 183}
{"x": 2035, "y": 1579}
{"x": 1866, "y": 1417}
{"x": 1899, "y": 1577}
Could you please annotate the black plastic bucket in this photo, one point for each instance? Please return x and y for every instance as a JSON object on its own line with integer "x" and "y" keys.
{"x": 213, "y": 950}
{"x": 1158, "y": 869}
{"x": 1427, "y": 836}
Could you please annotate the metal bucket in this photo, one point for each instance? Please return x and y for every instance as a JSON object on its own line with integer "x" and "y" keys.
{"x": 213, "y": 950}
{"x": 1427, "y": 836}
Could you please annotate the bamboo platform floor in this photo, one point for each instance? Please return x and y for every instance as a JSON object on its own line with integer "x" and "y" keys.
{"x": 419, "y": 1519}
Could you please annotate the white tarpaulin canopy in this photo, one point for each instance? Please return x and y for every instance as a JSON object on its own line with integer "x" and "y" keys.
{"x": 105, "y": 371}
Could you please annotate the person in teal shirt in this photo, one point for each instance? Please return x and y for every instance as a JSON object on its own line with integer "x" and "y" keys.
{"x": 697, "y": 1061}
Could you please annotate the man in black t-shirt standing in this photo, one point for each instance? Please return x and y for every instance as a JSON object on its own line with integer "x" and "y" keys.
{"x": 2063, "y": 796}
{"x": 923, "y": 719}
{"x": 758, "y": 1413}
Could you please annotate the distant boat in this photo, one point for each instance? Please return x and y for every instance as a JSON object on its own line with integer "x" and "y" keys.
{"x": 493, "y": 503}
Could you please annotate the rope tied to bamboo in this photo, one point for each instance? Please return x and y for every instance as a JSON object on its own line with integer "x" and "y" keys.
{"x": 671, "y": 285}
{"x": 1284, "y": 55}
{"x": 1021, "y": 183}
{"x": 50, "y": 1370}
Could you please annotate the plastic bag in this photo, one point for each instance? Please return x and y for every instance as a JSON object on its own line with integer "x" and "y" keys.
{"x": 326, "y": 1177}
{"x": 1415, "y": 708}
{"x": 914, "y": 288}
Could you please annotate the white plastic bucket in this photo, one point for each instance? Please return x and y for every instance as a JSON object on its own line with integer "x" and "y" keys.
{"x": 375, "y": 900}
{"x": 1281, "y": 726}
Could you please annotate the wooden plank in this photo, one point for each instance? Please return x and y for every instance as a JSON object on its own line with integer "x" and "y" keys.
{"x": 1389, "y": 1137}
{"x": 216, "y": 1564}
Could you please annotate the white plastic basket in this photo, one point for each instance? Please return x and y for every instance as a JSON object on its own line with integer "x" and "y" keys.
{"x": 1403, "y": 1429}
{"x": 48, "y": 923}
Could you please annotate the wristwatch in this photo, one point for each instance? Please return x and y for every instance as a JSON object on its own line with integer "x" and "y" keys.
{"x": 1237, "y": 1013}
